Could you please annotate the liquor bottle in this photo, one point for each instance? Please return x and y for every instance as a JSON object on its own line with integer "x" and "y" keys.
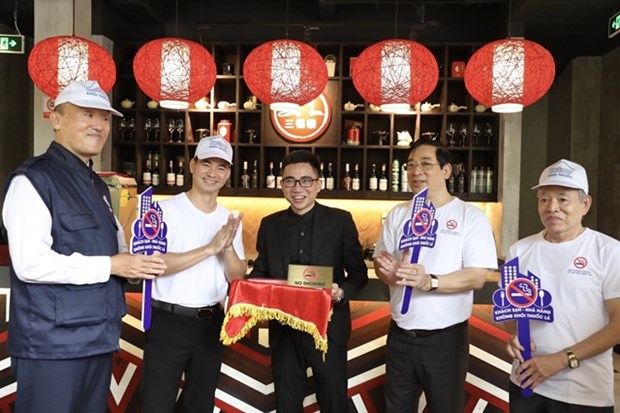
{"x": 279, "y": 177}
{"x": 451, "y": 183}
{"x": 347, "y": 182}
{"x": 404, "y": 182}
{"x": 329, "y": 178}
{"x": 383, "y": 180}
{"x": 271, "y": 178}
{"x": 460, "y": 180}
{"x": 355, "y": 182}
{"x": 155, "y": 173}
{"x": 245, "y": 177}
{"x": 489, "y": 180}
{"x": 372, "y": 181}
{"x": 481, "y": 181}
{"x": 180, "y": 177}
{"x": 170, "y": 176}
{"x": 395, "y": 174}
{"x": 322, "y": 177}
{"x": 473, "y": 185}
{"x": 146, "y": 174}
{"x": 254, "y": 176}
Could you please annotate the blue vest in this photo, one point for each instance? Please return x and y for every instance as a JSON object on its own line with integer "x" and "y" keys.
{"x": 57, "y": 321}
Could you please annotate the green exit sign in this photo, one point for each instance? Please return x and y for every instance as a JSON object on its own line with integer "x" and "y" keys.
{"x": 613, "y": 28}
{"x": 11, "y": 43}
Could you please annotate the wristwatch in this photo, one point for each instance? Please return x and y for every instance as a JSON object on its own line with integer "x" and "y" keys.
{"x": 573, "y": 362}
{"x": 434, "y": 282}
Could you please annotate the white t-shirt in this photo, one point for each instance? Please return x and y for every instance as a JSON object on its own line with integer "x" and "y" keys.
{"x": 579, "y": 275}
{"x": 203, "y": 284}
{"x": 464, "y": 240}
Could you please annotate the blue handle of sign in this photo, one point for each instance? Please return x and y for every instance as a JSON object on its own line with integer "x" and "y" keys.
{"x": 146, "y": 303}
{"x": 523, "y": 333}
{"x": 415, "y": 254}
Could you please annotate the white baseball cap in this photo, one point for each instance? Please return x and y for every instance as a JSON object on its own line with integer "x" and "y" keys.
{"x": 564, "y": 173}
{"x": 85, "y": 94}
{"x": 214, "y": 147}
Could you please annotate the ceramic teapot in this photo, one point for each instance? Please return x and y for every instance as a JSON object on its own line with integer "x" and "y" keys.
{"x": 455, "y": 108}
{"x": 374, "y": 108}
{"x": 127, "y": 104}
{"x": 349, "y": 107}
{"x": 427, "y": 106}
{"x": 152, "y": 104}
{"x": 480, "y": 108}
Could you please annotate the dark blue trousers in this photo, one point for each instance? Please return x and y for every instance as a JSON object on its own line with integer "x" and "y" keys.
{"x": 67, "y": 386}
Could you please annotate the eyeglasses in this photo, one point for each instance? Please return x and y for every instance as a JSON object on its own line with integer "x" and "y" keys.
{"x": 425, "y": 165}
{"x": 305, "y": 182}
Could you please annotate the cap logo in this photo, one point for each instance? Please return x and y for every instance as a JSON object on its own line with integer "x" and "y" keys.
{"x": 218, "y": 144}
{"x": 561, "y": 170}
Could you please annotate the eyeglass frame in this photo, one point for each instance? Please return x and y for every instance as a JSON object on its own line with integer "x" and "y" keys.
{"x": 424, "y": 165}
{"x": 310, "y": 182}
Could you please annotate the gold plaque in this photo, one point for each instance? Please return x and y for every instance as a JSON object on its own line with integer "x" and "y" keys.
{"x": 311, "y": 276}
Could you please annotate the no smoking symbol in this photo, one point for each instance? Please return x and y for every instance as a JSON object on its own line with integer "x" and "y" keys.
{"x": 151, "y": 224}
{"x": 521, "y": 293}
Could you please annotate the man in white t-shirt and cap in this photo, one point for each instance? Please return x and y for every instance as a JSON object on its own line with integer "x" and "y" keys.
{"x": 205, "y": 253}
{"x": 571, "y": 369}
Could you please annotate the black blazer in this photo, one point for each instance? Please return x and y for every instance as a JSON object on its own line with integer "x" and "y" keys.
{"x": 335, "y": 244}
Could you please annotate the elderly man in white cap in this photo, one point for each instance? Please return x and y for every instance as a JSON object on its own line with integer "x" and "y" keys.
{"x": 571, "y": 369}
{"x": 205, "y": 253}
{"x": 69, "y": 263}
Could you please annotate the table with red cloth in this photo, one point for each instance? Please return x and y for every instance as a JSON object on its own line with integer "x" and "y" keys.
{"x": 259, "y": 299}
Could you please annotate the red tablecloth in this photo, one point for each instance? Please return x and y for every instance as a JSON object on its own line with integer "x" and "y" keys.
{"x": 250, "y": 301}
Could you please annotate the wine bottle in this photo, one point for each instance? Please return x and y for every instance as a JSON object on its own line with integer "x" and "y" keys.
{"x": 146, "y": 174}
{"x": 279, "y": 177}
{"x": 322, "y": 177}
{"x": 180, "y": 177}
{"x": 329, "y": 178}
{"x": 245, "y": 176}
{"x": 170, "y": 176}
{"x": 155, "y": 174}
{"x": 271, "y": 178}
{"x": 254, "y": 176}
{"x": 460, "y": 180}
{"x": 355, "y": 182}
{"x": 372, "y": 181}
{"x": 347, "y": 182}
{"x": 383, "y": 180}
{"x": 451, "y": 183}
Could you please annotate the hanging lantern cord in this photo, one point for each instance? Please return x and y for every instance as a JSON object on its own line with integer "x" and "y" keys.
{"x": 286, "y": 34}
{"x": 509, "y": 19}
{"x": 396, "y": 19}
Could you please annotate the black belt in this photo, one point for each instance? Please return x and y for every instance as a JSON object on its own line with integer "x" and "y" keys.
{"x": 428, "y": 333}
{"x": 197, "y": 312}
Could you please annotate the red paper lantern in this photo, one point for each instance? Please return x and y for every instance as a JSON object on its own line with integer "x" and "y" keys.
{"x": 395, "y": 74}
{"x": 175, "y": 72}
{"x": 286, "y": 74}
{"x": 509, "y": 74}
{"x": 57, "y": 61}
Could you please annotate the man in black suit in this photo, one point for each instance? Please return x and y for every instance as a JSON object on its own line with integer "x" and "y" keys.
{"x": 309, "y": 233}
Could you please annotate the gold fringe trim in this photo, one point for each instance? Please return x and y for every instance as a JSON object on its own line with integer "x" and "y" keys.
{"x": 261, "y": 313}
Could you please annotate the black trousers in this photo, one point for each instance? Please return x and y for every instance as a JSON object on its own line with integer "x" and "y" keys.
{"x": 67, "y": 386}
{"x": 174, "y": 345}
{"x": 291, "y": 357}
{"x": 435, "y": 365}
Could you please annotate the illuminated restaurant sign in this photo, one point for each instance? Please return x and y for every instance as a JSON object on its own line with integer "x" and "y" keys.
{"x": 304, "y": 126}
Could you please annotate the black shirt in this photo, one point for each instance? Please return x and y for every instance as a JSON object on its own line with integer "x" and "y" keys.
{"x": 300, "y": 237}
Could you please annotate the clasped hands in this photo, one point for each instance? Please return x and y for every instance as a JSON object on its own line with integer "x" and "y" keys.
{"x": 534, "y": 371}
{"x": 223, "y": 238}
{"x": 402, "y": 272}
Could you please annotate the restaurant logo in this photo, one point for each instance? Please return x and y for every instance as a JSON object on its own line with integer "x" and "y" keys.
{"x": 305, "y": 125}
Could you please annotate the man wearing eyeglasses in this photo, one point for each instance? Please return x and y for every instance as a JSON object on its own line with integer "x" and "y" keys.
{"x": 428, "y": 345}
{"x": 309, "y": 233}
